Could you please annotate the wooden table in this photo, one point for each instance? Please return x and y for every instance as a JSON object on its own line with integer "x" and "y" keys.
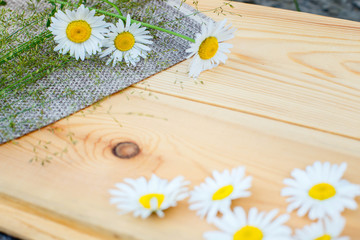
{"x": 289, "y": 95}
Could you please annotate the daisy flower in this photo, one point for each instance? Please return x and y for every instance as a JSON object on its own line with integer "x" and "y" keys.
{"x": 126, "y": 42}
{"x": 256, "y": 226}
{"x": 209, "y": 47}
{"x": 216, "y": 193}
{"x": 146, "y": 197}
{"x": 322, "y": 230}
{"x": 78, "y": 32}
{"x": 320, "y": 191}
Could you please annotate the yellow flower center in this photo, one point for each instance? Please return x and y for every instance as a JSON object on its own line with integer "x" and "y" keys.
{"x": 124, "y": 41}
{"x": 78, "y": 31}
{"x": 145, "y": 200}
{"x": 223, "y": 192}
{"x": 322, "y": 191}
{"x": 325, "y": 237}
{"x": 208, "y": 48}
{"x": 248, "y": 233}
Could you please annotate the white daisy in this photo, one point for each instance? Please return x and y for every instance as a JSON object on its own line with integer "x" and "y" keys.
{"x": 322, "y": 230}
{"x": 126, "y": 41}
{"x": 217, "y": 193}
{"x": 78, "y": 32}
{"x": 209, "y": 48}
{"x": 145, "y": 197}
{"x": 256, "y": 226}
{"x": 320, "y": 191}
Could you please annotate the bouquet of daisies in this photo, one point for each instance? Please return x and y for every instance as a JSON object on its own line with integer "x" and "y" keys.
{"x": 54, "y": 52}
{"x": 82, "y": 34}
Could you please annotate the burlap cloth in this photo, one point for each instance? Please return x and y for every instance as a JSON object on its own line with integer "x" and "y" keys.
{"x": 91, "y": 83}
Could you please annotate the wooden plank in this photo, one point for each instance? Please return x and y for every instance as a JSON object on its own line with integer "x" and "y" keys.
{"x": 25, "y": 221}
{"x": 271, "y": 112}
{"x": 293, "y": 67}
{"x": 176, "y": 136}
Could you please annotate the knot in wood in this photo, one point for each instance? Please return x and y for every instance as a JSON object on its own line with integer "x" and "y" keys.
{"x": 126, "y": 150}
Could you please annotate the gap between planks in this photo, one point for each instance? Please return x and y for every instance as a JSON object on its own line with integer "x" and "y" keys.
{"x": 246, "y": 112}
{"x": 45, "y": 221}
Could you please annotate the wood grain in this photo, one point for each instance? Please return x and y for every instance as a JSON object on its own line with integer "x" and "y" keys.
{"x": 29, "y": 222}
{"x": 282, "y": 101}
{"x": 176, "y": 137}
{"x": 294, "y": 67}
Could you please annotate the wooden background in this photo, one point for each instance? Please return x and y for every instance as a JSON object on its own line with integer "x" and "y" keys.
{"x": 289, "y": 95}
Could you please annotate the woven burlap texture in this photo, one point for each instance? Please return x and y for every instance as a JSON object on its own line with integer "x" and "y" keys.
{"x": 90, "y": 83}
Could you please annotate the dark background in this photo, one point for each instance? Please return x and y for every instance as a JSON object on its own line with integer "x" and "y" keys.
{"x": 346, "y": 9}
{"x": 6, "y": 237}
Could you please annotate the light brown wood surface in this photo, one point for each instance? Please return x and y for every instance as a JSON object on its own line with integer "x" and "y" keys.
{"x": 289, "y": 95}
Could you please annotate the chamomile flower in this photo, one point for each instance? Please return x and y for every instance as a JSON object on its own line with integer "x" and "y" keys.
{"x": 320, "y": 191}
{"x": 79, "y": 32}
{"x": 126, "y": 42}
{"x": 144, "y": 197}
{"x": 209, "y": 47}
{"x": 215, "y": 194}
{"x": 322, "y": 230}
{"x": 256, "y": 226}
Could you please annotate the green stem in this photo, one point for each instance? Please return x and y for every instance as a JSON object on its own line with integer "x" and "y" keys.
{"x": 38, "y": 39}
{"x": 22, "y": 81}
{"x": 32, "y": 77}
{"x": 112, "y": 4}
{"x": 19, "y": 30}
{"x": 133, "y": 21}
{"x": 297, "y": 6}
